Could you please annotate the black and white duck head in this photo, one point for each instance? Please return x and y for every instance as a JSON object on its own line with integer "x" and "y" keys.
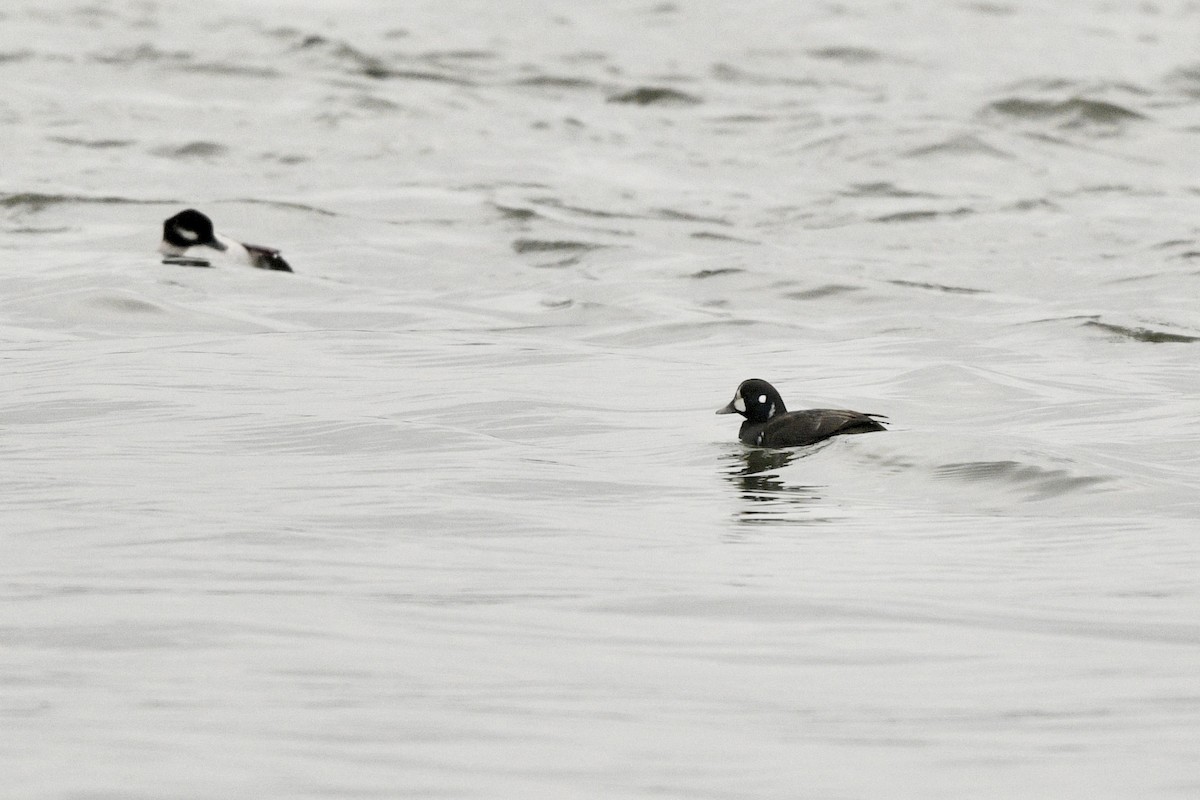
{"x": 756, "y": 400}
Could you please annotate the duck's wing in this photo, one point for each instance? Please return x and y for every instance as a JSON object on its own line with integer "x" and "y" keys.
{"x": 798, "y": 428}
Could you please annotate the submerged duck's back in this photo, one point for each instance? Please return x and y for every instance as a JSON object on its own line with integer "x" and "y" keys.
{"x": 266, "y": 258}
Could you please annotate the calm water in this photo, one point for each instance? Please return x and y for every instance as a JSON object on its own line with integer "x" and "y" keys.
{"x": 448, "y": 512}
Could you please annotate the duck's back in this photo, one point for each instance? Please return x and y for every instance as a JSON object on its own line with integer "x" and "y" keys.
{"x": 798, "y": 428}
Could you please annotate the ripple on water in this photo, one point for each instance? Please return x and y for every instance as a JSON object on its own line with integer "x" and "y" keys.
{"x": 767, "y": 497}
{"x": 655, "y": 96}
{"x": 45, "y": 410}
{"x": 924, "y": 215}
{"x": 1141, "y": 334}
{"x": 554, "y": 253}
{"x": 1073, "y": 113}
{"x": 143, "y": 53}
{"x": 1037, "y": 483}
{"x": 553, "y": 246}
{"x": 738, "y": 74}
{"x": 712, "y": 273}
{"x": 569, "y": 82}
{"x": 342, "y": 55}
{"x": 713, "y": 236}
{"x": 963, "y": 145}
{"x": 94, "y": 144}
{"x": 937, "y": 287}
{"x": 39, "y": 201}
{"x": 190, "y": 150}
{"x": 883, "y": 189}
{"x": 847, "y": 54}
{"x": 1185, "y": 80}
{"x": 821, "y": 292}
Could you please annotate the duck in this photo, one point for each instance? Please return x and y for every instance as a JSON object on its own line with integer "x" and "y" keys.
{"x": 768, "y": 423}
{"x": 190, "y": 240}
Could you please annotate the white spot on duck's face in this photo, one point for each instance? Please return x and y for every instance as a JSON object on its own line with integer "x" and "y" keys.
{"x": 739, "y": 404}
{"x": 184, "y": 233}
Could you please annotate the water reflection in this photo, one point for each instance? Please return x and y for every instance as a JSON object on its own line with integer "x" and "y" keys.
{"x": 766, "y": 497}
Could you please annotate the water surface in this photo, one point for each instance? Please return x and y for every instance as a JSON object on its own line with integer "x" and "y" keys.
{"x": 447, "y": 513}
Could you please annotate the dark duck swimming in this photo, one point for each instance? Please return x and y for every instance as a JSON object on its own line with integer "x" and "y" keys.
{"x": 768, "y": 423}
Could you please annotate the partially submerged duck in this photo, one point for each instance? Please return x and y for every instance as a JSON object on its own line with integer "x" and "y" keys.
{"x": 189, "y": 240}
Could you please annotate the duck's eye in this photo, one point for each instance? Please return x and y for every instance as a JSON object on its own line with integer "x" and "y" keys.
{"x": 762, "y": 398}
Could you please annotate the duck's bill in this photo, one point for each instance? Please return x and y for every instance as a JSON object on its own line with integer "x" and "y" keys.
{"x": 736, "y": 406}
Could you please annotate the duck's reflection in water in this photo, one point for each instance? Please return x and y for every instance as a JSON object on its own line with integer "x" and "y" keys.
{"x": 766, "y": 497}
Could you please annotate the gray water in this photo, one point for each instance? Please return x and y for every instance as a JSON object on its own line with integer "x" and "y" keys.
{"x": 447, "y": 513}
